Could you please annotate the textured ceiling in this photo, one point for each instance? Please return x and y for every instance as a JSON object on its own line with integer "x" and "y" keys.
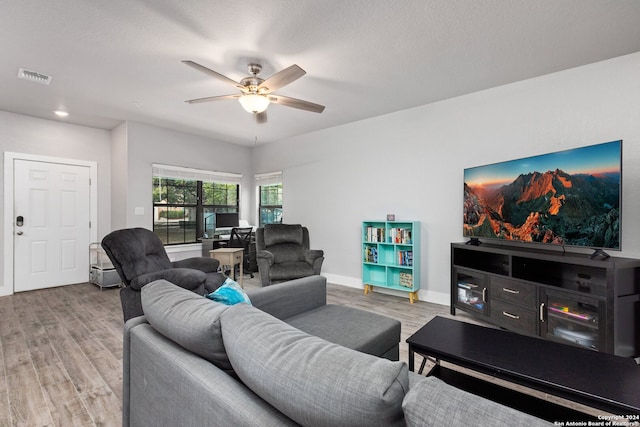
{"x": 120, "y": 60}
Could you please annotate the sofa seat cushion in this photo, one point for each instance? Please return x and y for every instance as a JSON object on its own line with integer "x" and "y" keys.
{"x": 356, "y": 329}
{"x": 290, "y": 270}
{"x": 310, "y": 380}
{"x": 188, "y": 319}
{"x": 432, "y": 402}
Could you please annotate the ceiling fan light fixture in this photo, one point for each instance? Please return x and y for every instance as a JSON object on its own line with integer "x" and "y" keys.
{"x": 253, "y": 103}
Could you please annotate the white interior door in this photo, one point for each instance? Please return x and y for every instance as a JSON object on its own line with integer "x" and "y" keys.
{"x": 51, "y": 224}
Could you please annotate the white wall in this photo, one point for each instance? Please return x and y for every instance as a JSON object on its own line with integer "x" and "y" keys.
{"x": 410, "y": 163}
{"x": 119, "y": 177}
{"x": 29, "y": 135}
{"x": 144, "y": 145}
{"x": 124, "y": 157}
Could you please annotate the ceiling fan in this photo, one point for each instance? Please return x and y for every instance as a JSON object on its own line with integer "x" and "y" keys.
{"x": 256, "y": 94}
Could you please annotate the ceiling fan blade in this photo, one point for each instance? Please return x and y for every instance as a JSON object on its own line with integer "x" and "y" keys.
{"x": 261, "y": 117}
{"x": 282, "y": 78}
{"x": 296, "y": 103}
{"x": 213, "y": 98}
{"x": 213, "y": 73}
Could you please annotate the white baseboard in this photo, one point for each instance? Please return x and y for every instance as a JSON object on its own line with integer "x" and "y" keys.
{"x": 337, "y": 279}
{"x": 423, "y": 295}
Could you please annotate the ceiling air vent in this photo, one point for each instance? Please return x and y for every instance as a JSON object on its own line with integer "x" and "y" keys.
{"x": 34, "y": 76}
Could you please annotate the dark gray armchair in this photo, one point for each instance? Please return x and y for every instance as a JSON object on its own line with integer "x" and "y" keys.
{"x": 282, "y": 252}
{"x": 139, "y": 257}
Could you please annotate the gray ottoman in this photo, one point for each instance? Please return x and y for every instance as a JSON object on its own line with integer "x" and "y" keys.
{"x": 302, "y": 303}
{"x": 353, "y": 328}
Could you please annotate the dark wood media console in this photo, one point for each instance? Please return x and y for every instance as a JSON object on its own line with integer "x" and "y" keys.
{"x": 559, "y": 296}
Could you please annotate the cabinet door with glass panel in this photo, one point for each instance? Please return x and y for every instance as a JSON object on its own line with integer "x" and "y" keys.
{"x": 471, "y": 291}
{"x": 573, "y": 319}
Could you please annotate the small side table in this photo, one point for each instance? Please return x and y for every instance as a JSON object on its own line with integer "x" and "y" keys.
{"x": 230, "y": 256}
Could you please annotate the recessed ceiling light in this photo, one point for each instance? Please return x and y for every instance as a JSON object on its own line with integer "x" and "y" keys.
{"x": 61, "y": 113}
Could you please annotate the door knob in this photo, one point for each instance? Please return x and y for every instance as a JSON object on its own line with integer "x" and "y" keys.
{"x": 19, "y": 233}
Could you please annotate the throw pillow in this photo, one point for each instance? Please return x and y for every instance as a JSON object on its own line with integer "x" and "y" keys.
{"x": 230, "y": 293}
{"x": 186, "y": 318}
{"x": 310, "y": 380}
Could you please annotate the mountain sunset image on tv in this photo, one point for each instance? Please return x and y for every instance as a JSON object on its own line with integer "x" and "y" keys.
{"x": 569, "y": 197}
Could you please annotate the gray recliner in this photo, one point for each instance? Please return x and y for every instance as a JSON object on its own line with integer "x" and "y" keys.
{"x": 282, "y": 252}
{"x": 139, "y": 257}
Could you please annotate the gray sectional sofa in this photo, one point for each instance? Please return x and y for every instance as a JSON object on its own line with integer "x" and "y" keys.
{"x": 287, "y": 359}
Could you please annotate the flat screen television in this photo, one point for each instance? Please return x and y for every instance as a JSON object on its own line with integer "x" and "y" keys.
{"x": 567, "y": 198}
{"x": 227, "y": 220}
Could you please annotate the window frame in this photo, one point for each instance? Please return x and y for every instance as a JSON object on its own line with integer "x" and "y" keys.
{"x": 269, "y": 180}
{"x": 201, "y": 178}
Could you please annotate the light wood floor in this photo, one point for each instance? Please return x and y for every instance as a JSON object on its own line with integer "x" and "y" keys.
{"x": 61, "y": 350}
{"x": 61, "y": 357}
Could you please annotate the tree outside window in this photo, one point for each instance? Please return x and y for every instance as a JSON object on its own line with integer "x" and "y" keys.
{"x": 183, "y": 209}
{"x": 270, "y": 209}
{"x": 217, "y": 198}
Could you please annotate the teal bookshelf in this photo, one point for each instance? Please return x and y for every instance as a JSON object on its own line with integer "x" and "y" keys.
{"x": 391, "y": 256}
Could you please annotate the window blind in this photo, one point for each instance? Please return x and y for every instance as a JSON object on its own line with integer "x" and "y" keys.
{"x": 270, "y": 178}
{"x": 178, "y": 172}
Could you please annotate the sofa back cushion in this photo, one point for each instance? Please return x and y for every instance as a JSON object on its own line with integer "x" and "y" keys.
{"x": 312, "y": 381}
{"x": 188, "y": 319}
{"x": 308, "y": 293}
{"x": 431, "y": 401}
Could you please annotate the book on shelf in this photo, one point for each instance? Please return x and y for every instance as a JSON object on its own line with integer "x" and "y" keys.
{"x": 405, "y": 258}
{"x": 406, "y": 280}
{"x": 375, "y": 234}
{"x": 371, "y": 254}
{"x": 400, "y": 235}
{"x": 393, "y": 235}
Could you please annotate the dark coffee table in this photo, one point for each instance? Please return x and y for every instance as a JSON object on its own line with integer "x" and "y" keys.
{"x": 602, "y": 381}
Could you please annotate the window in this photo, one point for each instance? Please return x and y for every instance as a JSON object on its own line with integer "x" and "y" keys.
{"x": 270, "y": 198}
{"x": 185, "y": 202}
